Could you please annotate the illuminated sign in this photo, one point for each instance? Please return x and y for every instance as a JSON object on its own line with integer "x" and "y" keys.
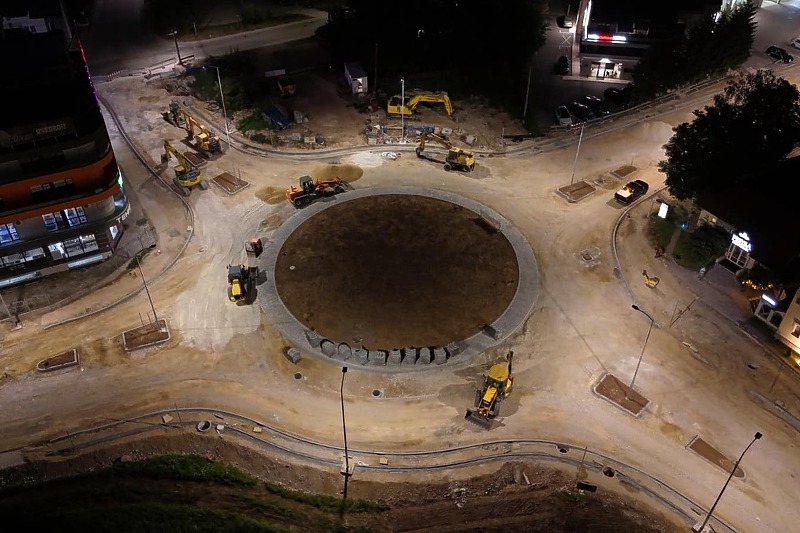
{"x": 606, "y": 38}
{"x": 742, "y": 240}
{"x": 662, "y": 210}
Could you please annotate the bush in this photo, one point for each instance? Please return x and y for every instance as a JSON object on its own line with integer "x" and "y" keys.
{"x": 700, "y": 247}
{"x": 254, "y": 122}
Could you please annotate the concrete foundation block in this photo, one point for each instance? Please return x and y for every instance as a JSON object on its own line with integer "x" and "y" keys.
{"x": 454, "y": 348}
{"x": 439, "y": 355}
{"x": 395, "y": 357}
{"x": 361, "y": 356}
{"x": 293, "y": 355}
{"x": 328, "y": 347}
{"x": 344, "y": 352}
{"x": 409, "y": 356}
{"x": 425, "y": 356}
{"x": 314, "y": 338}
{"x": 377, "y": 357}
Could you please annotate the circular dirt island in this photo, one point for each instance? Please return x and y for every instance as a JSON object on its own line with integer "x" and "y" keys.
{"x": 395, "y": 270}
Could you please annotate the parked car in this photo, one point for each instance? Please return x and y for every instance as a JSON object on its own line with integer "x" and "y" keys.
{"x": 562, "y": 66}
{"x": 564, "y": 22}
{"x": 779, "y": 54}
{"x": 563, "y": 116}
{"x": 618, "y": 97}
{"x": 630, "y": 192}
{"x": 580, "y": 112}
{"x": 596, "y": 105}
{"x": 795, "y": 42}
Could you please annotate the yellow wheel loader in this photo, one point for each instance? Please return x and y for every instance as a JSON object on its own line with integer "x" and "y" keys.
{"x": 496, "y": 387}
{"x": 241, "y": 282}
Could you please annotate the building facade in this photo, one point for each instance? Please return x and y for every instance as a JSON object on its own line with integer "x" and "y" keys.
{"x": 613, "y": 35}
{"x": 789, "y": 329}
{"x": 62, "y": 197}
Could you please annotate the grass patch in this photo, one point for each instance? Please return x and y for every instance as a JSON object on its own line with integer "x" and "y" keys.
{"x": 181, "y": 467}
{"x": 325, "y": 502}
{"x": 152, "y": 517}
{"x": 254, "y": 122}
{"x": 261, "y": 138}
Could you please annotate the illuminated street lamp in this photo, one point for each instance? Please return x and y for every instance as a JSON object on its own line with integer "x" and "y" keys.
{"x": 222, "y": 98}
{"x": 639, "y": 362}
{"x": 700, "y": 527}
{"x": 174, "y": 35}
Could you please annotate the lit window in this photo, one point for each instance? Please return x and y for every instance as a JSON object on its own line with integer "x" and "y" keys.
{"x": 34, "y": 254}
{"x": 796, "y": 329}
{"x": 114, "y": 231}
{"x": 75, "y": 216}
{"x": 8, "y": 233}
{"x": 59, "y": 183}
{"x": 54, "y": 221}
{"x": 72, "y": 247}
{"x": 89, "y": 242}
{"x": 13, "y": 259}
{"x": 36, "y": 188}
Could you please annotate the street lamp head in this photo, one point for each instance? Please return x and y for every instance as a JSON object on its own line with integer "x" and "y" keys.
{"x": 758, "y": 435}
{"x": 635, "y": 307}
{"x": 344, "y": 371}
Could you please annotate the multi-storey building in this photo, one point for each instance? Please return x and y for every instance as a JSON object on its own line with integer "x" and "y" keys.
{"x": 62, "y": 198}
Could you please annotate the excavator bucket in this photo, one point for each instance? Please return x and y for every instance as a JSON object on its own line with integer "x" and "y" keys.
{"x": 477, "y": 418}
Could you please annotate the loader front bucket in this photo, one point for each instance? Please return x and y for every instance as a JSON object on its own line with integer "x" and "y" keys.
{"x": 477, "y": 418}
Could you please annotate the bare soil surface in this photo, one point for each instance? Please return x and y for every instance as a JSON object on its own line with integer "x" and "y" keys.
{"x": 396, "y": 270}
{"x": 514, "y": 496}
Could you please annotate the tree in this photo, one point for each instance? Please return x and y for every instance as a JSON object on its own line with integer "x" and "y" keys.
{"x": 708, "y": 49}
{"x": 750, "y": 127}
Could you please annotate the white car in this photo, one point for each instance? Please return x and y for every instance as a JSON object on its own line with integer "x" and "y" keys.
{"x": 563, "y": 116}
{"x": 795, "y": 42}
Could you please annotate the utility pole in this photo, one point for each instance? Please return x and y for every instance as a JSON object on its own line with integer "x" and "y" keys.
{"x": 402, "y": 109}
{"x": 375, "y": 80}
{"x": 147, "y": 290}
{"x": 639, "y": 362}
{"x": 578, "y": 151}
{"x": 527, "y": 93}
{"x": 174, "y": 35}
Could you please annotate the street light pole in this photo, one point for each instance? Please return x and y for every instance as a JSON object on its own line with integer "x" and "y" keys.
{"x": 698, "y": 528}
{"x": 222, "y": 98}
{"x": 174, "y": 34}
{"x": 146, "y": 289}
{"x": 344, "y": 429}
{"x": 402, "y": 109}
{"x": 639, "y": 362}
{"x": 578, "y": 151}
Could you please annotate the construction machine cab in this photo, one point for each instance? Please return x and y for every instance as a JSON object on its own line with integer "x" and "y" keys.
{"x": 307, "y": 184}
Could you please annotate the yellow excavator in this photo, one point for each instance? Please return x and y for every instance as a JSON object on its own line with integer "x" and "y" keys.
{"x": 187, "y": 176}
{"x": 396, "y": 106}
{"x": 457, "y": 158}
{"x": 497, "y": 385}
{"x": 205, "y": 140}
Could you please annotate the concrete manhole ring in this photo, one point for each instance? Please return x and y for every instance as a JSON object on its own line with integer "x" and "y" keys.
{"x": 203, "y": 426}
{"x": 372, "y": 278}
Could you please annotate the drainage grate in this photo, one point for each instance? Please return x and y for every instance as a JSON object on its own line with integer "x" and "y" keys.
{"x": 608, "y": 472}
{"x": 298, "y": 376}
{"x": 377, "y": 393}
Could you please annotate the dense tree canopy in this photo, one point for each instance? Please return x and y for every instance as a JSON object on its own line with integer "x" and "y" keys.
{"x": 483, "y": 38}
{"x": 750, "y": 127}
{"x": 708, "y": 49}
